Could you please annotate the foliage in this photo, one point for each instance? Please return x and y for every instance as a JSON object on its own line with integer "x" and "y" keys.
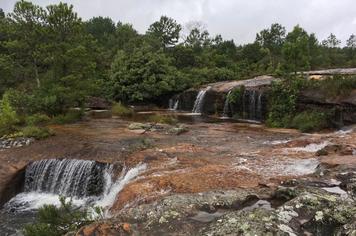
{"x": 70, "y": 117}
{"x": 296, "y": 50}
{"x": 162, "y": 119}
{"x": 36, "y": 132}
{"x": 236, "y": 95}
{"x": 37, "y": 119}
{"x": 283, "y": 98}
{"x": 8, "y": 116}
{"x": 51, "y": 60}
{"x": 334, "y": 86}
{"x": 166, "y": 31}
{"x": 118, "y": 109}
{"x": 142, "y": 76}
{"x": 57, "y": 221}
{"x": 310, "y": 121}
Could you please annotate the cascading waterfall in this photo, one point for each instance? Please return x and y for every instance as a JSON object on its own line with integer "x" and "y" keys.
{"x": 85, "y": 182}
{"x": 252, "y": 105}
{"x": 226, "y": 106}
{"x": 72, "y": 178}
{"x": 173, "y": 104}
{"x": 199, "y": 101}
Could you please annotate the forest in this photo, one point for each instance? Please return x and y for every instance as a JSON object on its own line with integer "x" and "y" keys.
{"x": 51, "y": 60}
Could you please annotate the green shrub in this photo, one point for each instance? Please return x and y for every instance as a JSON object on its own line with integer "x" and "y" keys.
{"x": 310, "y": 121}
{"x": 337, "y": 85}
{"x": 57, "y": 221}
{"x": 36, "y": 132}
{"x": 71, "y": 116}
{"x": 8, "y": 116}
{"x": 282, "y": 101}
{"x": 118, "y": 109}
{"x": 162, "y": 119}
{"x": 236, "y": 95}
{"x": 37, "y": 119}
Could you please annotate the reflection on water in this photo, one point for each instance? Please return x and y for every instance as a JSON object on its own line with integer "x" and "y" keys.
{"x": 142, "y": 115}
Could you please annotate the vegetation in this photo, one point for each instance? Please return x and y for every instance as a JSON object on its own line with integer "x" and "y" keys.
{"x": 57, "y": 221}
{"x": 236, "y": 95}
{"x": 118, "y": 109}
{"x": 51, "y": 61}
{"x": 162, "y": 119}
{"x": 283, "y": 100}
{"x": 309, "y": 121}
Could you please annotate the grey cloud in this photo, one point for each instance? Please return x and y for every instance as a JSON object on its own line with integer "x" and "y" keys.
{"x": 234, "y": 19}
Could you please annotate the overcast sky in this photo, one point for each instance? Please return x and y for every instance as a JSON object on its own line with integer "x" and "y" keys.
{"x": 233, "y": 19}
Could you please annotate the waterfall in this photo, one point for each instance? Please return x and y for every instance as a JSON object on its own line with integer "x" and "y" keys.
{"x": 199, "y": 101}
{"x": 85, "y": 182}
{"x": 259, "y": 106}
{"x": 226, "y": 106}
{"x": 173, "y": 104}
{"x": 252, "y": 105}
{"x": 71, "y": 178}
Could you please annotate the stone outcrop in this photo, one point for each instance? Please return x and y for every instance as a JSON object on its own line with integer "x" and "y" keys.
{"x": 214, "y": 100}
{"x": 344, "y": 106}
{"x": 255, "y": 100}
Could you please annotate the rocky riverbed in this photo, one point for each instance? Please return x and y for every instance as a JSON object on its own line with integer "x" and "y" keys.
{"x": 213, "y": 178}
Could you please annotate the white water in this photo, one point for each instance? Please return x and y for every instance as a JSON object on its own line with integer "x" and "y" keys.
{"x": 313, "y": 147}
{"x": 199, "y": 101}
{"x": 33, "y": 200}
{"x": 173, "y": 104}
{"x": 114, "y": 189}
{"x": 226, "y": 106}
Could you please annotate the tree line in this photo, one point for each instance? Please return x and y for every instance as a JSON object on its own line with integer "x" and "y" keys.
{"x": 52, "y": 60}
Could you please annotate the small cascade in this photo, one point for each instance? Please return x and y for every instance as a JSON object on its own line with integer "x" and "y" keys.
{"x": 226, "y": 106}
{"x": 199, "y": 101}
{"x": 71, "y": 178}
{"x": 85, "y": 182}
{"x": 173, "y": 104}
{"x": 252, "y": 106}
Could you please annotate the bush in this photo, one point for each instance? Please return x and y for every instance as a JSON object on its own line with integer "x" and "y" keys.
{"x": 36, "y": 132}
{"x": 118, "y": 109}
{"x": 57, "y": 221}
{"x": 282, "y": 101}
{"x": 70, "y": 117}
{"x": 236, "y": 95}
{"x": 37, "y": 119}
{"x": 162, "y": 119}
{"x": 310, "y": 121}
{"x": 8, "y": 116}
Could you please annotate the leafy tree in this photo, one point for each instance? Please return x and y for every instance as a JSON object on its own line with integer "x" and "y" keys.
{"x": 166, "y": 30}
{"x": 101, "y": 28}
{"x": 197, "y": 38}
{"x": 27, "y": 38}
{"x": 351, "y": 42}
{"x": 296, "y": 50}
{"x": 331, "y": 42}
{"x": 2, "y": 13}
{"x": 143, "y": 75}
